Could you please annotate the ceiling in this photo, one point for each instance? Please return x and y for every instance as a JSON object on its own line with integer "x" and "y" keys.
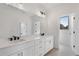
{"x": 50, "y": 7}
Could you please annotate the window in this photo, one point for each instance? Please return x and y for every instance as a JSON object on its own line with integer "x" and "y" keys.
{"x": 64, "y": 22}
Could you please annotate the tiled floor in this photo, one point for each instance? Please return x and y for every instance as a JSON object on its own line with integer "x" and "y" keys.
{"x": 62, "y": 51}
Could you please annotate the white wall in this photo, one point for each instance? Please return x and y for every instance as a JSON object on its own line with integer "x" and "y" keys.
{"x": 53, "y": 19}
{"x": 10, "y": 19}
{"x": 64, "y": 9}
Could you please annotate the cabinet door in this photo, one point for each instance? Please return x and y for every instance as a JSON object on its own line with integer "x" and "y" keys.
{"x": 29, "y": 51}
{"x": 39, "y": 50}
{"x": 49, "y": 44}
{"x": 43, "y": 46}
{"x": 39, "y": 47}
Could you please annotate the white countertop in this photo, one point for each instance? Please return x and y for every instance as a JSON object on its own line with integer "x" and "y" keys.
{"x": 6, "y": 43}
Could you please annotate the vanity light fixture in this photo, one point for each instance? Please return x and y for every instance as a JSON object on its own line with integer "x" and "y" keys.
{"x": 42, "y": 12}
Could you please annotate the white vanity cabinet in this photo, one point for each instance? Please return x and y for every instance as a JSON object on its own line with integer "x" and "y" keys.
{"x": 36, "y": 47}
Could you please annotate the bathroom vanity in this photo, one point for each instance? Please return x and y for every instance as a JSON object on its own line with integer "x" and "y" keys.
{"x": 27, "y": 46}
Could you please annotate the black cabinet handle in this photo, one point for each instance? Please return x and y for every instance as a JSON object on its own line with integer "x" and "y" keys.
{"x": 73, "y": 46}
{"x": 74, "y": 32}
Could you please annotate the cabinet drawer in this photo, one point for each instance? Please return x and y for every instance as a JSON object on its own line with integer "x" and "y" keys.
{"x": 37, "y": 42}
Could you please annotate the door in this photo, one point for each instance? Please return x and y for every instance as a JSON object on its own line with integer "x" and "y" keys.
{"x": 65, "y": 30}
{"x": 65, "y": 38}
